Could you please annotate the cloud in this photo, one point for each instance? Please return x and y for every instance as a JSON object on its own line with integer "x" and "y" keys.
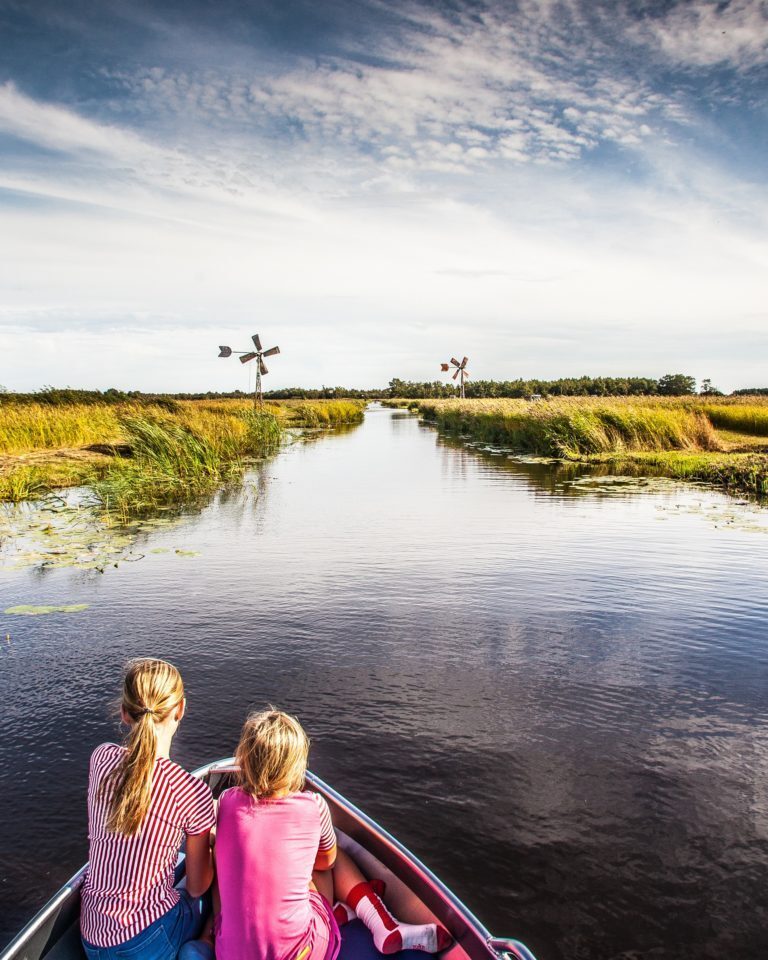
{"x": 707, "y": 34}
{"x": 440, "y": 93}
{"x": 57, "y": 128}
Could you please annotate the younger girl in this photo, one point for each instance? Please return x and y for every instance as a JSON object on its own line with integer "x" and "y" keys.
{"x": 140, "y": 807}
{"x": 278, "y": 866}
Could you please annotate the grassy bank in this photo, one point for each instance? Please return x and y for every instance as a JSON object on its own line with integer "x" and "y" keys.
{"x": 677, "y": 436}
{"x": 572, "y": 428}
{"x": 139, "y": 457}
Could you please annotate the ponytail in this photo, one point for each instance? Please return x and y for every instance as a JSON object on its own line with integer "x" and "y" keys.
{"x": 151, "y": 691}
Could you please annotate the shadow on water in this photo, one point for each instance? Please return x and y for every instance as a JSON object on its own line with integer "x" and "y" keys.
{"x": 550, "y": 684}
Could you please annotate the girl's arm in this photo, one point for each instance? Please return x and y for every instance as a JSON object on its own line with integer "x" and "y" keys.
{"x": 199, "y": 863}
{"x": 325, "y": 859}
{"x": 326, "y": 853}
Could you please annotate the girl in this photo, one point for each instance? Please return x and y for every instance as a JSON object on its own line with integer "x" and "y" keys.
{"x": 278, "y": 866}
{"x": 140, "y": 807}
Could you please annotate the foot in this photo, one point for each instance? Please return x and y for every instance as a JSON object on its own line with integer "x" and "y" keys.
{"x": 429, "y": 937}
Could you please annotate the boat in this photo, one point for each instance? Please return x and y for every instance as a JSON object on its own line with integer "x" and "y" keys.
{"x": 413, "y": 893}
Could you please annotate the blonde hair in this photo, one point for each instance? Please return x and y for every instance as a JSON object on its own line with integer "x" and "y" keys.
{"x": 272, "y": 754}
{"x": 152, "y": 689}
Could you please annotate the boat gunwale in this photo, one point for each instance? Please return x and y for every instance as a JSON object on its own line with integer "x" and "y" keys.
{"x": 496, "y": 946}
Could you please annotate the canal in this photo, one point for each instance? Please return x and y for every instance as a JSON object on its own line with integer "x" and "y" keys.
{"x": 552, "y": 687}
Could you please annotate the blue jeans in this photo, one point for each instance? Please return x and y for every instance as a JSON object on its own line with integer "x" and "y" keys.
{"x": 162, "y": 939}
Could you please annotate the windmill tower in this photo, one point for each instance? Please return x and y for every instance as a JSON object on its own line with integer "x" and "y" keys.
{"x": 461, "y": 372}
{"x": 261, "y": 368}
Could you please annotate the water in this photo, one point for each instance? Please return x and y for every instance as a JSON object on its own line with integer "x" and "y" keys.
{"x": 554, "y": 693}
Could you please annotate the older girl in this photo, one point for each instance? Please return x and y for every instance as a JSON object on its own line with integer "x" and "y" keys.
{"x": 141, "y": 805}
{"x": 278, "y": 866}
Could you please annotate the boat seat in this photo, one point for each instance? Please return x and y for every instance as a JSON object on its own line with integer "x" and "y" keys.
{"x": 357, "y": 944}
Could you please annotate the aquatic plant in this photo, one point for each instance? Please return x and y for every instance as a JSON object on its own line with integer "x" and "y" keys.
{"x": 23, "y": 483}
{"x": 29, "y": 610}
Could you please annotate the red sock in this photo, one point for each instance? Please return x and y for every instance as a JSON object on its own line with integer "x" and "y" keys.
{"x": 389, "y": 935}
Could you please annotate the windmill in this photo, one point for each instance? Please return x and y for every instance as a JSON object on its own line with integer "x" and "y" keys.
{"x": 461, "y": 371}
{"x": 258, "y": 354}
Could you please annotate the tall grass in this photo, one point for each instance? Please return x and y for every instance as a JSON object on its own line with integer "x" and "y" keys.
{"x": 23, "y": 483}
{"x": 326, "y": 413}
{"x": 572, "y": 428}
{"x": 174, "y": 463}
{"x": 744, "y": 418}
{"x": 37, "y": 426}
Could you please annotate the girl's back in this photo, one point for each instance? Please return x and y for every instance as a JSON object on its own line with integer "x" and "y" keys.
{"x": 265, "y": 852}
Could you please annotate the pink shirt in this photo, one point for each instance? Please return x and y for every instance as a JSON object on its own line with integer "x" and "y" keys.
{"x": 265, "y": 851}
{"x": 129, "y": 883}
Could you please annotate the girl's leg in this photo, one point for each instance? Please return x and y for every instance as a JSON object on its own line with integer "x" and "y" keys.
{"x": 389, "y": 935}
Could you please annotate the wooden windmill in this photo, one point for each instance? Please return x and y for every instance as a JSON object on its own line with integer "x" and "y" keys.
{"x": 258, "y": 354}
{"x": 461, "y": 372}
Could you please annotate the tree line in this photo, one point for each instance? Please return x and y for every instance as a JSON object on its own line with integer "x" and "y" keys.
{"x": 671, "y": 384}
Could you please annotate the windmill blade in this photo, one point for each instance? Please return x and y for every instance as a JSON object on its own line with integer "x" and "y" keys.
{"x": 271, "y": 352}
{"x": 455, "y": 374}
{"x": 444, "y": 367}
{"x": 262, "y": 367}
{"x": 247, "y": 356}
{"x": 225, "y": 351}
{"x": 455, "y": 362}
{"x": 256, "y": 341}
{"x": 465, "y": 375}
{"x": 464, "y": 362}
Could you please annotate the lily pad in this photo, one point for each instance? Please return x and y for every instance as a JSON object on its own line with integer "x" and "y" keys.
{"x": 187, "y": 553}
{"x": 26, "y": 610}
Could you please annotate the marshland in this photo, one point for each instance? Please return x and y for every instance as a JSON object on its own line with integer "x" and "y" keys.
{"x": 139, "y": 456}
{"x": 723, "y": 441}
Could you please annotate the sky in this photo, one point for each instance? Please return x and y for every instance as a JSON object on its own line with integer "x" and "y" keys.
{"x": 550, "y": 187}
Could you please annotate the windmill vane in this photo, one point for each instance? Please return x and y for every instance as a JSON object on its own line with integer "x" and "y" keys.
{"x": 460, "y": 372}
{"x": 258, "y": 354}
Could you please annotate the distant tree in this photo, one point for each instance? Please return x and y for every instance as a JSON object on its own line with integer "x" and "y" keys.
{"x": 676, "y": 385}
{"x": 708, "y": 390}
{"x": 751, "y": 391}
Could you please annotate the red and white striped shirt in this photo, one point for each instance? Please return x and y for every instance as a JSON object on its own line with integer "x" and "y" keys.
{"x": 129, "y": 883}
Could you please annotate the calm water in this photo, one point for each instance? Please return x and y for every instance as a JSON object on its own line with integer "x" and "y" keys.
{"x": 555, "y": 694}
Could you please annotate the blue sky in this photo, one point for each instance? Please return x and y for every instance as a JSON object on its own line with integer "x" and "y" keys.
{"x": 552, "y": 187}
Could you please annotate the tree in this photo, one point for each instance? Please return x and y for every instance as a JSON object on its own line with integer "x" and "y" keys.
{"x": 708, "y": 390}
{"x": 676, "y": 385}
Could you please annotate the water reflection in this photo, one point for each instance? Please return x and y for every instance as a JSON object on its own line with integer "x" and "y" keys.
{"x": 556, "y": 698}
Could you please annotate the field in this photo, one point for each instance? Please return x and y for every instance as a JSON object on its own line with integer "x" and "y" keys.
{"x": 723, "y": 441}
{"x": 141, "y": 456}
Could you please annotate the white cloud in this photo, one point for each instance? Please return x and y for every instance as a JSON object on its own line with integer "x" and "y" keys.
{"x": 706, "y": 33}
{"x": 440, "y": 83}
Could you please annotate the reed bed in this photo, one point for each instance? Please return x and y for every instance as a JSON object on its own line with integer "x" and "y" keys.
{"x": 174, "y": 463}
{"x": 37, "y": 426}
{"x": 751, "y": 418}
{"x": 326, "y": 413}
{"x": 572, "y": 428}
{"x": 171, "y": 453}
